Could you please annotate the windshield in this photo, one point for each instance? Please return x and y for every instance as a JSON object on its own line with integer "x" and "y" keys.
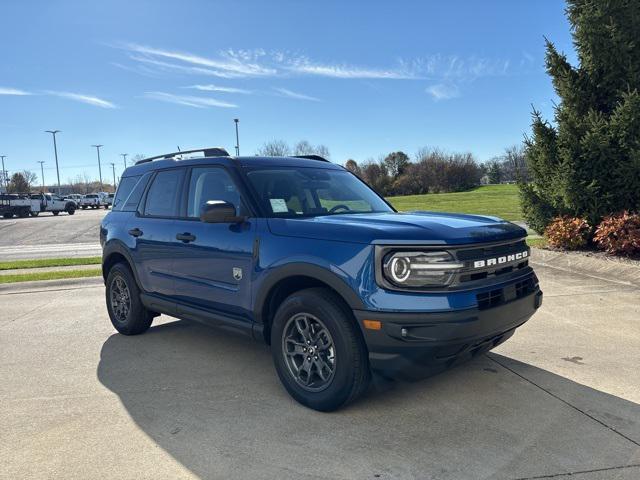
{"x": 298, "y": 192}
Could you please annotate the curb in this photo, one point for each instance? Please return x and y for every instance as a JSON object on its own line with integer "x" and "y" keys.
{"x": 48, "y": 285}
{"x": 611, "y": 269}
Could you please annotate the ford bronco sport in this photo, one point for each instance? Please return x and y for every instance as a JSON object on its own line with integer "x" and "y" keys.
{"x": 301, "y": 254}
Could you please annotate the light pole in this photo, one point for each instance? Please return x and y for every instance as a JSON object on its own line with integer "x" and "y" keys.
{"x": 99, "y": 166}
{"x": 55, "y": 151}
{"x": 124, "y": 157}
{"x": 41, "y": 162}
{"x": 5, "y": 177}
{"x": 113, "y": 167}
{"x": 236, "y": 120}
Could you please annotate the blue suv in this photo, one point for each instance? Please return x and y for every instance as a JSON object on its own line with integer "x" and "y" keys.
{"x": 301, "y": 254}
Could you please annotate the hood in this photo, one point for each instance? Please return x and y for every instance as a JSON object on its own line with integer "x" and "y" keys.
{"x": 390, "y": 227}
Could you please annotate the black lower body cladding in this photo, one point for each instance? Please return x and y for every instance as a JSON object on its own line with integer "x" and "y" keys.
{"x": 416, "y": 345}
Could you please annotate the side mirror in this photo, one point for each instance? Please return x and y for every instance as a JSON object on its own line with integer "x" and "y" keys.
{"x": 219, "y": 211}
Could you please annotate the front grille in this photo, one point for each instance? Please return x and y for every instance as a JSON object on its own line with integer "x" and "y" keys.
{"x": 507, "y": 294}
{"x": 490, "y": 299}
{"x": 471, "y": 255}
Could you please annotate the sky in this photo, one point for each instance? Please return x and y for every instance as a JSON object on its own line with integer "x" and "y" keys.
{"x": 363, "y": 78}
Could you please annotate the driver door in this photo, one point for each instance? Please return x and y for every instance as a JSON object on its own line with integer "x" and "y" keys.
{"x": 213, "y": 262}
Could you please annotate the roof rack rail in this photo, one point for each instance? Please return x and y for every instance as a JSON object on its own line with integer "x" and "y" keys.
{"x": 208, "y": 152}
{"x": 312, "y": 157}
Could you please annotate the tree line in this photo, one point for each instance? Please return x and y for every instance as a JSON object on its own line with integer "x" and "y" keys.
{"x": 431, "y": 170}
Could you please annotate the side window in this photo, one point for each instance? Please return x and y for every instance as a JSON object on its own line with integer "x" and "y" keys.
{"x": 124, "y": 190}
{"x": 163, "y": 195}
{"x": 210, "y": 183}
{"x": 131, "y": 202}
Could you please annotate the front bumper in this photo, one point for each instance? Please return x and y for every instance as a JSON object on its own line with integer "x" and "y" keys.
{"x": 417, "y": 345}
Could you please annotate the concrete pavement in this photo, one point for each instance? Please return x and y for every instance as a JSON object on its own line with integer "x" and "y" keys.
{"x": 183, "y": 401}
{"x": 48, "y": 236}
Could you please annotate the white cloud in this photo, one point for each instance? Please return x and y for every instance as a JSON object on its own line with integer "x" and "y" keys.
{"x": 283, "y": 92}
{"x": 234, "y": 64}
{"x": 188, "y": 100}
{"x": 88, "y": 99}
{"x": 306, "y": 67}
{"x": 442, "y": 91}
{"x": 13, "y": 91}
{"x": 217, "y": 88}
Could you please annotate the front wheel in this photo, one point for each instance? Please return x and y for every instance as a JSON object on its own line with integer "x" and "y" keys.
{"x": 71, "y": 210}
{"x": 126, "y": 311}
{"x": 318, "y": 351}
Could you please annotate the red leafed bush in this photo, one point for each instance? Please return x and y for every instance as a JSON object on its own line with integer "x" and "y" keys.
{"x": 619, "y": 234}
{"x": 567, "y": 233}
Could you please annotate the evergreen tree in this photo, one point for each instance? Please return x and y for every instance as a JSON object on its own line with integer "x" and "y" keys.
{"x": 588, "y": 162}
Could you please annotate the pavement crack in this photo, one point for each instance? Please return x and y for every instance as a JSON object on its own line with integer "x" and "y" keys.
{"x": 566, "y": 403}
{"x": 577, "y": 472}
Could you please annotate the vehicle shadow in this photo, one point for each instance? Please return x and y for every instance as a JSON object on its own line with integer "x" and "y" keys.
{"x": 212, "y": 400}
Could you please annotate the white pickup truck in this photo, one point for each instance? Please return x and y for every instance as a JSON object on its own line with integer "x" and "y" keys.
{"x": 91, "y": 200}
{"x": 55, "y": 204}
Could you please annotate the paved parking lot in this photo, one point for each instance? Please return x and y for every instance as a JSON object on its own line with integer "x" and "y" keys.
{"x": 183, "y": 401}
{"x": 51, "y": 236}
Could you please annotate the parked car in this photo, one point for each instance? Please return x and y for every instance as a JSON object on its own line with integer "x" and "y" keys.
{"x": 50, "y": 202}
{"x": 92, "y": 200}
{"x": 108, "y": 201}
{"x": 301, "y": 254}
{"x": 75, "y": 198}
{"x": 18, "y": 205}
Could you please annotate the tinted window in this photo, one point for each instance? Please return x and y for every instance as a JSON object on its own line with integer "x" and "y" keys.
{"x": 313, "y": 191}
{"x": 162, "y": 197}
{"x": 132, "y": 201}
{"x": 127, "y": 184}
{"x": 210, "y": 183}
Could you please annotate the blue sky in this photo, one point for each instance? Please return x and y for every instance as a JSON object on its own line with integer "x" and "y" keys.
{"x": 363, "y": 78}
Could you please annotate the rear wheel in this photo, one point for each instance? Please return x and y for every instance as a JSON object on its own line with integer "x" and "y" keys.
{"x": 34, "y": 214}
{"x": 56, "y": 212}
{"x": 7, "y": 215}
{"x": 318, "y": 352}
{"x": 126, "y": 311}
{"x": 71, "y": 210}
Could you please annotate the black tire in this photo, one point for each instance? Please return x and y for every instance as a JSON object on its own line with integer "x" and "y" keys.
{"x": 35, "y": 214}
{"x": 137, "y": 319}
{"x": 84, "y": 207}
{"x": 56, "y": 212}
{"x": 350, "y": 375}
{"x": 7, "y": 215}
{"x": 71, "y": 210}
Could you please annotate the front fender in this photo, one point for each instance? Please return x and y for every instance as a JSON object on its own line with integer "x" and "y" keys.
{"x": 334, "y": 278}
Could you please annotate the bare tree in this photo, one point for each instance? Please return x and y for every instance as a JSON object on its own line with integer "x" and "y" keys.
{"x": 353, "y": 166}
{"x": 29, "y": 177}
{"x": 274, "y": 148}
{"x": 303, "y": 147}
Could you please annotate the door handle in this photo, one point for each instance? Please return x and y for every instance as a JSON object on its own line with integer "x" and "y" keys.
{"x": 185, "y": 237}
{"x": 135, "y": 232}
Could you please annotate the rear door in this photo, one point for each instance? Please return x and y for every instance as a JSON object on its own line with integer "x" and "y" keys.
{"x": 152, "y": 232}
{"x": 213, "y": 261}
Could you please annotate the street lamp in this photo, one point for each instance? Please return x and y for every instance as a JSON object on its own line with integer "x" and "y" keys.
{"x": 97, "y": 147}
{"x": 5, "y": 177}
{"x": 55, "y": 150}
{"x": 41, "y": 162}
{"x": 236, "y": 120}
{"x": 124, "y": 157}
{"x": 113, "y": 166}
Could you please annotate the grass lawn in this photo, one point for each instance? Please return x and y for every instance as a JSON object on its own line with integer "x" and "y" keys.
{"x": 496, "y": 200}
{"x": 50, "y": 262}
{"x": 54, "y": 275}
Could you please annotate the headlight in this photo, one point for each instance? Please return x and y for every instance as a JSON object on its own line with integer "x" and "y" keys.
{"x": 419, "y": 269}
